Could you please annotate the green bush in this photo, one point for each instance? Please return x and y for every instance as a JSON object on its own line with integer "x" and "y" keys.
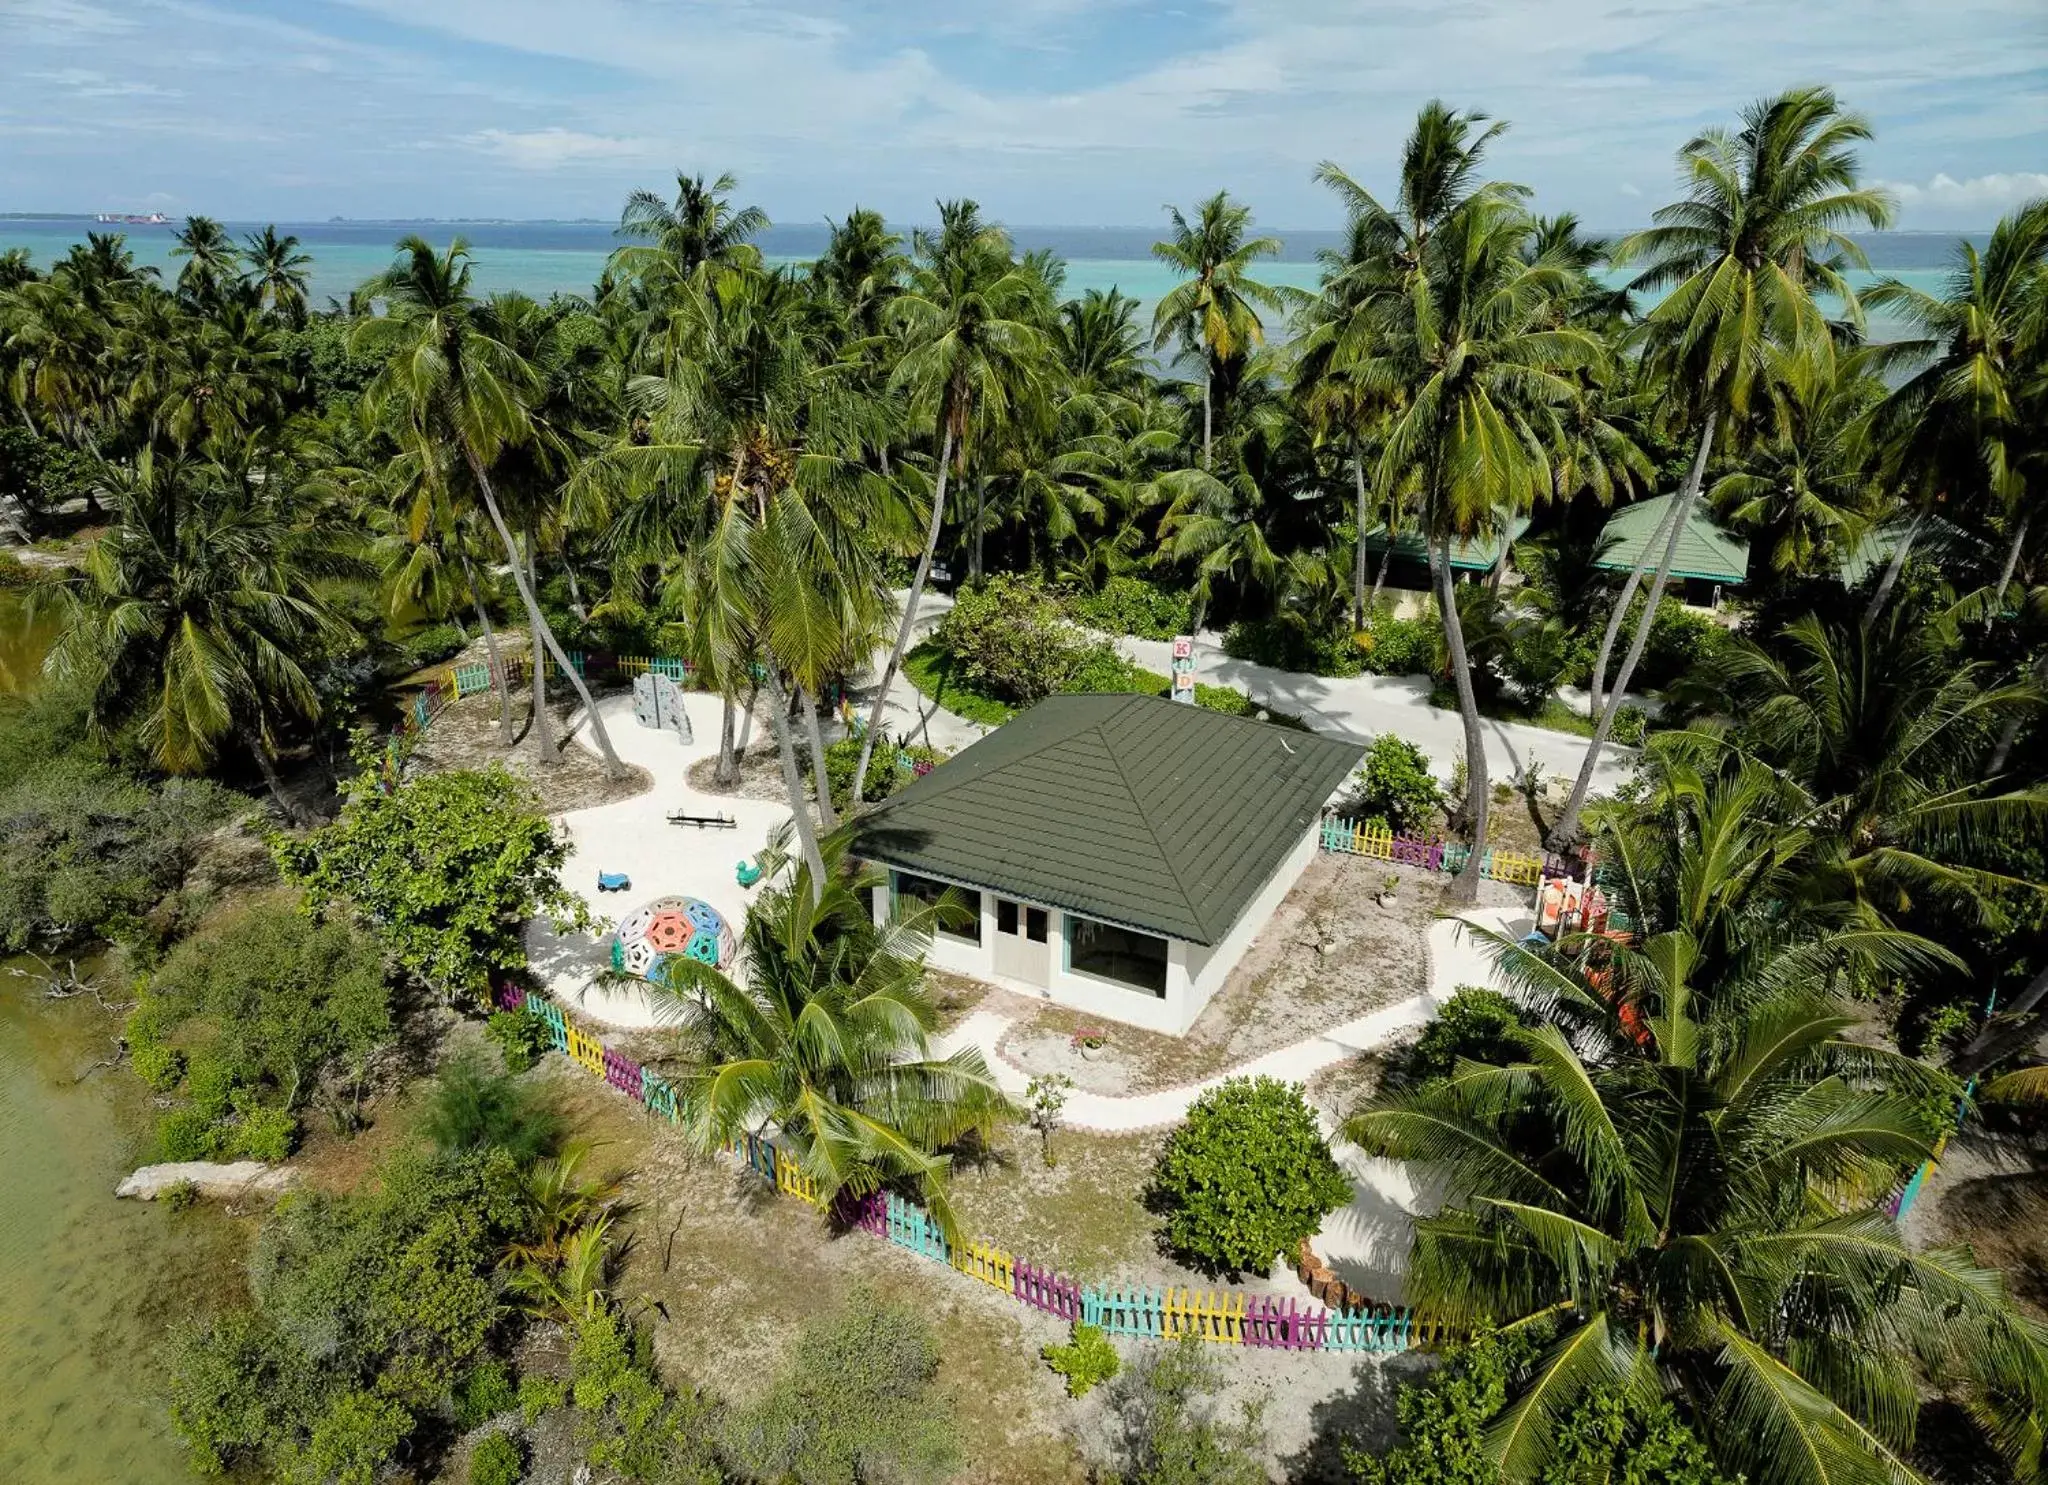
{"x": 1631, "y": 724}
{"x": 186, "y": 1134}
{"x": 1133, "y": 606}
{"x": 160, "y": 1067}
{"x": 1400, "y": 646}
{"x": 266, "y": 1134}
{"x": 475, "y": 1108}
{"x": 485, "y": 1393}
{"x": 1172, "y": 1428}
{"x": 1008, "y": 639}
{"x": 1476, "y": 1024}
{"x": 497, "y": 1459}
{"x": 537, "y": 1395}
{"x": 1246, "y": 1176}
{"x": 1101, "y": 668}
{"x": 179, "y": 1196}
{"x": 1395, "y": 785}
{"x": 521, "y": 1037}
{"x": 1285, "y": 644}
{"x": 857, "y": 1401}
{"x": 1234, "y": 703}
{"x": 1085, "y": 1360}
{"x": 886, "y": 773}
{"x": 436, "y": 642}
{"x": 635, "y": 1427}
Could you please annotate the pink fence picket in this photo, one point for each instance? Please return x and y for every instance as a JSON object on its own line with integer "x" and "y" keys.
{"x": 622, "y": 1072}
{"x": 1283, "y": 1326}
{"x": 1043, "y": 1289}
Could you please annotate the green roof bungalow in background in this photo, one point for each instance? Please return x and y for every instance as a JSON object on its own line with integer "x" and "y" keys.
{"x": 1709, "y": 557}
{"x": 1116, "y": 853}
{"x": 1473, "y": 554}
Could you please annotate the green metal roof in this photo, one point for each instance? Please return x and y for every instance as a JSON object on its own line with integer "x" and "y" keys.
{"x": 1133, "y": 809}
{"x": 1475, "y": 552}
{"x": 1705, "y": 551}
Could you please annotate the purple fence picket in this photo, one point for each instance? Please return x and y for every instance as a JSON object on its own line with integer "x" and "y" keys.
{"x": 1287, "y": 1327}
{"x": 622, "y": 1072}
{"x": 1410, "y": 852}
{"x": 1043, "y": 1289}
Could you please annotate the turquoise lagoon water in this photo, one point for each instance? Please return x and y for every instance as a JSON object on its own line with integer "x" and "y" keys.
{"x": 544, "y": 258}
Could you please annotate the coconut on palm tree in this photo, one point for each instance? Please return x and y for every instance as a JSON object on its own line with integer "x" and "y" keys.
{"x": 1214, "y": 312}
{"x": 451, "y": 385}
{"x": 823, "y": 1042}
{"x": 1759, "y": 235}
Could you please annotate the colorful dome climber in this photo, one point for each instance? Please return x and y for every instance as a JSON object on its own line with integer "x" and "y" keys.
{"x": 669, "y": 926}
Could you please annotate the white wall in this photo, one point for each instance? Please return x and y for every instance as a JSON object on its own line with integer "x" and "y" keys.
{"x": 1193, "y": 973}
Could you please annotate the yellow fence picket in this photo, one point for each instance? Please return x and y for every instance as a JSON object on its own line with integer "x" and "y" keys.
{"x": 989, "y": 1264}
{"x": 587, "y": 1050}
{"x": 789, "y": 1178}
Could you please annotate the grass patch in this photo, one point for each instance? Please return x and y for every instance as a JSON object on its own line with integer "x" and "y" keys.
{"x": 930, "y": 669}
{"x": 1553, "y": 716}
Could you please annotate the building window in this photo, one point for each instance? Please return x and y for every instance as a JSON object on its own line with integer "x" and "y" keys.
{"x": 925, "y": 891}
{"x": 1123, "y": 956}
{"x": 1034, "y": 924}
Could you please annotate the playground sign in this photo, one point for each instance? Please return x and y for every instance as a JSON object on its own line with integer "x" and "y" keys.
{"x": 1184, "y": 668}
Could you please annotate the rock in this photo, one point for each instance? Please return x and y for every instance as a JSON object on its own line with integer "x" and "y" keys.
{"x": 212, "y": 1178}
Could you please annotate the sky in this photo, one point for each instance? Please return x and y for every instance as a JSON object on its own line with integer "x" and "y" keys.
{"x": 1069, "y": 112}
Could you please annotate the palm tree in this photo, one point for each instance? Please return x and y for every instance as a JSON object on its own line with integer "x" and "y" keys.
{"x": 198, "y": 613}
{"x": 861, "y": 270}
{"x": 679, "y": 240}
{"x": 971, "y": 347}
{"x": 211, "y": 262}
{"x": 16, "y": 269}
{"x": 1970, "y": 418}
{"x": 824, "y": 1041}
{"x": 1472, "y": 341}
{"x": 1214, "y": 312}
{"x": 455, "y": 387}
{"x": 1679, "y": 1176}
{"x": 1758, "y": 236}
{"x": 276, "y": 274}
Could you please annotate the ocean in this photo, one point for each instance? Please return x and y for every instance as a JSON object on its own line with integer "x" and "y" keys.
{"x": 545, "y": 258}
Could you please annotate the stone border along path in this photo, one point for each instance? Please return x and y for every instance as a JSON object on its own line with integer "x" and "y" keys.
{"x": 1366, "y": 1242}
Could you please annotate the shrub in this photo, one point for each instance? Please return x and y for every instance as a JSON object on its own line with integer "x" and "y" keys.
{"x": 886, "y": 773}
{"x": 1085, "y": 1360}
{"x": 1475, "y": 1023}
{"x": 485, "y": 1393}
{"x": 636, "y": 1428}
{"x": 497, "y": 1459}
{"x": 1172, "y": 1430}
{"x": 1399, "y": 646}
{"x": 1100, "y": 668}
{"x": 1680, "y": 638}
{"x": 474, "y": 1108}
{"x": 1008, "y": 638}
{"x": 186, "y": 1134}
{"x": 160, "y": 1067}
{"x": 1133, "y": 606}
{"x": 266, "y": 1134}
{"x": 1395, "y": 784}
{"x": 179, "y": 1196}
{"x": 1631, "y": 724}
{"x": 521, "y": 1037}
{"x": 857, "y": 1401}
{"x": 1285, "y": 644}
{"x": 1246, "y": 1176}
{"x": 537, "y": 1395}
{"x": 436, "y": 642}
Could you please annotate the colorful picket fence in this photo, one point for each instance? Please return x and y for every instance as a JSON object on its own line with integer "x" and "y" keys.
{"x": 1359, "y": 838}
{"x": 1229, "y": 1317}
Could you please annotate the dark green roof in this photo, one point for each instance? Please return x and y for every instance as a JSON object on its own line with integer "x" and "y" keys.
{"x": 1704, "y": 549}
{"x": 1473, "y": 552}
{"x": 1132, "y": 809}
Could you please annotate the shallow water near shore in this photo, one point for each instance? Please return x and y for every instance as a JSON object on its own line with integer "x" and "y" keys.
{"x": 93, "y": 1284}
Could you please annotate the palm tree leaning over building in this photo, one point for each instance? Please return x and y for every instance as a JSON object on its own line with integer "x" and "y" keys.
{"x": 1213, "y": 313}
{"x": 969, "y": 347}
{"x": 1760, "y": 233}
{"x": 453, "y": 387}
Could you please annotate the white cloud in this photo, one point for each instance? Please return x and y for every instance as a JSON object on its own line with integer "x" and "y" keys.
{"x": 1630, "y": 188}
{"x": 1987, "y": 193}
{"x": 84, "y": 83}
{"x": 553, "y": 148}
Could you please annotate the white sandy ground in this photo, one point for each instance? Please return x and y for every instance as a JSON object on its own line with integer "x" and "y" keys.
{"x": 1365, "y": 1241}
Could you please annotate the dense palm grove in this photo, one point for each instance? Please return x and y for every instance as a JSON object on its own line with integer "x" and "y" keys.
{"x": 1664, "y": 1176}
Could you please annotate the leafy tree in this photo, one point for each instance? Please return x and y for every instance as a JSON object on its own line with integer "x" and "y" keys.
{"x": 448, "y": 867}
{"x": 1214, "y": 311}
{"x": 1246, "y": 1176}
{"x": 1395, "y": 785}
{"x": 824, "y": 1037}
{"x": 856, "y": 1402}
{"x": 276, "y": 274}
{"x": 1475, "y": 1024}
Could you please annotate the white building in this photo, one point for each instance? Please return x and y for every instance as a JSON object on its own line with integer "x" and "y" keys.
{"x": 1113, "y": 853}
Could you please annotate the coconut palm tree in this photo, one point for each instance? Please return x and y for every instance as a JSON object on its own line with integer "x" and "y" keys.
{"x": 211, "y": 261}
{"x": 823, "y": 1042}
{"x": 677, "y": 241}
{"x": 275, "y": 274}
{"x": 1759, "y": 234}
{"x": 862, "y": 268}
{"x": 1678, "y": 1176}
{"x": 971, "y": 346}
{"x": 1485, "y": 370}
{"x": 1214, "y": 312}
{"x": 1970, "y": 418}
{"x": 452, "y": 386}
{"x": 199, "y": 612}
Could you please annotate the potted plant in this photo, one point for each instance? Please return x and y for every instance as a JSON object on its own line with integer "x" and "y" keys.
{"x": 1089, "y": 1042}
{"x": 1389, "y": 885}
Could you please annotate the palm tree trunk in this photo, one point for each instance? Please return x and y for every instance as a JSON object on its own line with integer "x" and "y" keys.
{"x": 500, "y": 682}
{"x": 2010, "y": 733}
{"x": 792, "y": 782}
{"x": 2012, "y": 560}
{"x": 1198, "y": 609}
{"x": 1358, "y": 556}
{"x": 980, "y": 513}
{"x": 540, "y": 630}
{"x": 917, "y": 582}
{"x": 253, "y": 740}
{"x": 1892, "y": 569}
{"x": 820, "y": 784}
{"x": 1500, "y": 568}
{"x": 1598, "y": 683}
{"x": 1566, "y": 830}
{"x": 575, "y": 588}
{"x": 747, "y": 715}
{"x": 1208, "y": 415}
{"x": 540, "y": 730}
{"x": 1465, "y": 888}
{"x": 728, "y": 771}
